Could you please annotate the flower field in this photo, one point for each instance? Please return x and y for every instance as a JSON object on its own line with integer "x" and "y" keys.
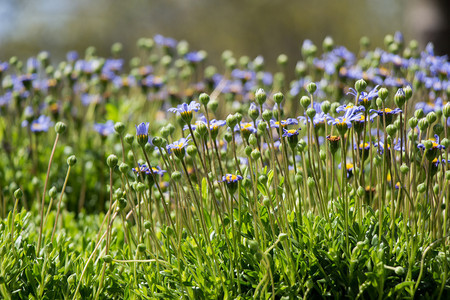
{"x": 164, "y": 177}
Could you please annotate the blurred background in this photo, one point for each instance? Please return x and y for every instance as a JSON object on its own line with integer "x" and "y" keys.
{"x": 246, "y": 27}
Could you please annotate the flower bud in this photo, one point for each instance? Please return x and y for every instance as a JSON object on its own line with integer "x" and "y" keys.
{"x": 71, "y": 160}
{"x": 298, "y": 178}
{"x": 305, "y": 101}
{"x": 322, "y": 155}
{"x": 327, "y": 44}
{"x": 253, "y": 112}
{"x": 360, "y": 192}
{"x": 231, "y": 121}
{"x": 141, "y": 248}
{"x": 383, "y": 93}
{"x": 228, "y": 136}
{"x": 438, "y": 128}
{"x": 447, "y": 175}
{"x": 310, "y": 182}
{"x": 60, "y": 127}
{"x": 256, "y": 154}
{"x": 334, "y": 106}
{"x": 248, "y": 151}
{"x": 423, "y": 124}
{"x": 129, "y": 138}
{"x": 252, "y": 140}
{"x": 262, "y": 126}
{"x": 260, "y": 96}
{"x": 428, "y": 144}
{"x": 391, "y": 130}
{"x": 122, "y": 203}
{"x": 408, "y": 92}
{"x": 282, "y": 236}
{"x": 282, "y": 60}
{"x": 191, "y": 150}
{"x": 379, "y": 102}
{"x": 431, "y": 117}
{"x": 421, "y": 188}
{"x": 445, "y": 142}
{"x": 311, "y": 112}
{"x": 52, "y": 192}
{"x": 267, "y": 115}
{"x": 400, "y": 98}
{"x": 119, "y": 127}
{"x": 325, "y": 106}
{"x": 203, "y": 99}
{"x": 419, "y": 114}
{"x": 446, "y": 110}
{"x": 18, "y": 194}
{"x": 278, "y": 98}
{"x": 311, "y": 87}
{"x": 360, "y": 85}
{"x": 112, "y": 161}
{"x": 413, "y": 122}
{"x": 213, "y": 105}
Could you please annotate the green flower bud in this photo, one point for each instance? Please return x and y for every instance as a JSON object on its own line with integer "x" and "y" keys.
{"x": 419, "y": 114}
{"x": 383, "y": 93}
{"x": 400, "y": 98}
{"x": 112, "y": 161}
{"x": 334, "y": 106}
{"x": 364, "y": 42}
{"x": 123, "y": 168}
{"x": 431, "y": 117}
{"x": 447, "y": 175}
{"x": 278, "y": 98}
{"x": 436, "y": 189}
{"x": 445, "y": 142}
{"x": 400, "y": 271}
{"x": 213, "y": 105}
{"x": 252, "y": 140}
{"x": 107, "y": 259}
{"x": 148, "y": 148}
{"x": 119, "y": 127}
{"x": 204, "y": 99}
{"x": 428, "y": 144}
{"x": 421, "y": 188}
{"x": 408, "y": 92}
{"x": 228, "y": 136}
{"x": 311, "y": 112}
{"x": 423, "y": 124}
{"x": 379, "y": 102}
{"x": 391, "y": 130}
{"x": 202, "y": 129}
{"x": 148, "y": 225}
{"x": 140, "y": 187}
{"x": 438, "y": 128}
{"x": 305, "y": 101}
{"x": 446, "y": 110}
{"x": 404, "y": 169}
{"x": 231, "y": 121}
{"x": 256, "y": 154}
{"x": 413, "y": 122}
{"x": 325, "y": 106}
{"x": 238, "y": 117}
{"x": 263, "y": 179}
{"x": 282, "y": 60}
{"x": 18, "y": 194}
{"x": 311, "y": 87}
{"x": 360, "y": 192}
{"x": 253, "y": 113}
{"x": 52, "y": 192}
{"x": 122, "y": 203}
{"x": 327, "y": 44}
{"x": 60, "y": 127}
{"x": 301, "y": 146}
{"x": 298, "y": 178}
{"x": 267, "y": 115}
{"x": 71, "y": 160}
{"x": 262, "y": 126}
{"x": 192, "y": 150}
{"x": 388, "y": 40}
{"x": 176, "y": 176}
{"x": 260, "y": 96}
{"x": 248, "y": 151}
{"x": 129, "y": 138}
{"x": 360, "y": 85}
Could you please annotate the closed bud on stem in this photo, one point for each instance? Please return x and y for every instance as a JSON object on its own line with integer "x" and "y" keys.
{"x": 204, "y": 99}
{"x": 431, "y": 117}
{"x": 438, "y": 128}
{"x": 311, "y": 112}
{"x": 123, "y": 168}
{"x": 413, "y": 122}
{"x": 112, "y": 161}
{"x": 213, "y": 105}
{"x": 238, "y": 117}
{"x": 391, "y": 130}
{"x": 383, "y": 93}
{"x": 267, "y": 115}
{"x": 298, "y": 178}
{"x": 310, "y": 182}
{"x": 18, "y": 194}
{"x": 119, "y": 127}
{"x": 305, "y": 101}
{"x": 260, "y": 96}
{"x": 325, "y": 106}
{"x": 278, "y": 98}
{"x": 311, "y": 87}
{"x": 71, "y": 160}
{"x": 191, "y": 150}
{"x": 282, "y": 60}
{"x": 231, "y": 121}
{"x": 256, "y": 154}
{"x": 60, "y": 127}
{"x": 129, "y": 138}
{"x": 419, "y": 113}
{"x": 361, "y": 192}
{"x": 248, "y": 151}
{"x": 445, "y": 142}
{"x": 262, "y": 126}
{"x": 446, "y": 110}
{"x": 408, "y": 92}
{"x": 360, "y": 85}
{"x": 400, "y": 98}
{"x": 52, "y": 192}
{"x": 421, "y": 188}
{"x": 379, "y": 103}
{"x": 423, "y": 124}
{"x": 252, "y": 140}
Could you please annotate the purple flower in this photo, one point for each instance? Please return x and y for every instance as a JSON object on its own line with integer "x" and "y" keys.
{"x": 195, "y": 57}
{"x": 165, "y": 41}
{"x": 344, "y": 122}
{"x": 364, "y": 98}
{"x": 142, "y": 133}
{"x": 104, "y": 129}
{"x": 178, "y": 147}
{"x": 43, "y": 123}
{"x": 186, "y": 110}
{"x": 229, "y": 178}
{"x": 290, "y": 132}
{"x": 284, "y": 123}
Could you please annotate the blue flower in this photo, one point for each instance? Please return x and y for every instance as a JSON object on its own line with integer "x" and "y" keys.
{"x": 364, "y": 98}
{"x": 349, "y": 168}
{"x": 195, "y": 57}
{"x": 178, "y": 147}
{"x": 388, "y": 113}
{"x": 165, "y": 41}
{"x": 284, "y": 123}
{"x": 344, "y": 108}
{"x": 104, "y": 129}
{"x": 344, "y": 122}
{"x": 186, "y": 110}
{"x": 43, "y": 123}
{"x": 229, "y": 178}
{"x": 290, "y": 132}
{"x": 142, "y": 133}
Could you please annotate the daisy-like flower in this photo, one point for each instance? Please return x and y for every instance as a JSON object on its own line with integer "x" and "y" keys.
{"x": 359, "y": 123}
{"x": 178, "y": 147}
{"x": 104, "y": 129}
{"x": 245, "y": 129}
{"x": 319, "y": 120}
{"x": 284, "y": 123}
{"x": 433, "y": 147}
{"x": 334, "y": 143}
{"x": 292, "y": 136}
{"x": 143, "y": 169}
{"x": 365, "y": 98}
{"x": 186, "y": 110}
{"x": 213, "y": 125}
{"x": 349, "y": 168}
{"x": 142, "y": 133}
{"x": 363, "y": 149}
{"x": 43, "y": 123}
{"x": 231, "y": 181}
{"x": 344, "y": 122}
{"x": 389, "y": 114}
{"x": 346, "y": 107}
